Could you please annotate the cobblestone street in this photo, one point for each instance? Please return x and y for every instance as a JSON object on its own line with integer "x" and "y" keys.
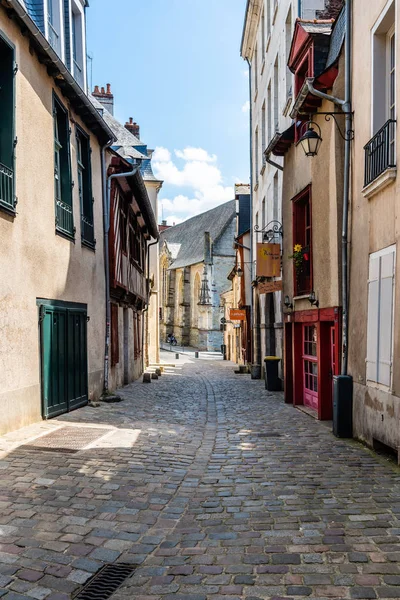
{"x": 211, "y": 486}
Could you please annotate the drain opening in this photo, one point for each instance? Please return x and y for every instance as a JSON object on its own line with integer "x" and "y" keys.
{"x": 105, "y": 582}
{"x": 268, "y": 434}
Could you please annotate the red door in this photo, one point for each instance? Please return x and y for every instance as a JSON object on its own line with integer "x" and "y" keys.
{"x": 310, "y": 367}
{"x": 333, "y": 351}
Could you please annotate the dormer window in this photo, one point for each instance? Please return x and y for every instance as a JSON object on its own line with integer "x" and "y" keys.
{"x": 54, "y": 25}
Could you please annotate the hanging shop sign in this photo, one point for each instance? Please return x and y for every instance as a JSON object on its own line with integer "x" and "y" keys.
{"x": 268, "y": 260}
{"x": 268, "y": 287}
{"x": 237, "y": 314}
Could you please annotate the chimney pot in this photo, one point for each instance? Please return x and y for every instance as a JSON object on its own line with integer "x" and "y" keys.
{"x": 96, "y": 90}
{"x": 164, "y": 222}
{"x": 109, "y": 88}
{"x": 103, "y": 90}
{"x": 130, "y": 120}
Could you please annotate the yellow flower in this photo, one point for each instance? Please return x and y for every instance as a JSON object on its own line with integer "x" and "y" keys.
{"x": 298, "y": 248}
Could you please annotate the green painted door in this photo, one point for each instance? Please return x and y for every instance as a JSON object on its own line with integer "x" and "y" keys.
{"x": 64, "y": 357}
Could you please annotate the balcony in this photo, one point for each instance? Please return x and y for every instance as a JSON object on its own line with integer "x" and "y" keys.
{"x": 87, "y": 232}
{"x": 7, "y": 199}
{"x": 54, "y": 39}
{"x": 64, "y": 219}
{"x": 380, "y": 159}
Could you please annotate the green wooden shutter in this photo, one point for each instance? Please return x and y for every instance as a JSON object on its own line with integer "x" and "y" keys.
{"x": 7, "y": 126}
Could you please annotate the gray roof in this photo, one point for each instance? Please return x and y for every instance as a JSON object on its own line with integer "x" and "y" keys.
{"x": 126, "y": 141}
{"x": 190, "y": 233}
{"x": 337, "y": 39}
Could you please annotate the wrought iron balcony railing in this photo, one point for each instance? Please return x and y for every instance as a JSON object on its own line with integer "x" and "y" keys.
{"x": 87, "y": 232}
{"x": 64, "y": 218}
{"x": 380, "y": 152}
{"x": 7, "y": 187}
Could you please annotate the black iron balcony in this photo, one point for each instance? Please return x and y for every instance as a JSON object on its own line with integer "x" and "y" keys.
{"x": 87, "y": 232}
{"x": 7, "y": 199}
{"x": 64, "y": 218}
{"x": 380, "y": 153}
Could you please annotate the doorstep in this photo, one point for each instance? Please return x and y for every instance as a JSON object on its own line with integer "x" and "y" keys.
{"x": 314, "y": 414}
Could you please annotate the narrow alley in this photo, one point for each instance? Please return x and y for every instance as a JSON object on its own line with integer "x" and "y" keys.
{"x": 209, "y": 486}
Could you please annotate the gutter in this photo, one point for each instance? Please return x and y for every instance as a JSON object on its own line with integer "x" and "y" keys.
{"x": 251, "y": 211}
{"x": 64, "y": 74}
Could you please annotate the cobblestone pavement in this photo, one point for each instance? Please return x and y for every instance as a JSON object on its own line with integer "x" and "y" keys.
{"x": 212, "y": 487}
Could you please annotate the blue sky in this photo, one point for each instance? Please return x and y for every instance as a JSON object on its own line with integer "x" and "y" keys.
{"x": 174, "y": 66}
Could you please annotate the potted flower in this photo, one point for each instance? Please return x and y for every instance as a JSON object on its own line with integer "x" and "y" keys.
{"x": 298, "y": 258}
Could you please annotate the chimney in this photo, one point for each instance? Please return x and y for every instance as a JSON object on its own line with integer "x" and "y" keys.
{"x": 133, "y": 128}
{"x": 164, "y": 223}
{"x": 105, "y": 97}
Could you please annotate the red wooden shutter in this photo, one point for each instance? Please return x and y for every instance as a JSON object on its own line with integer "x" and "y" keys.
{"x": 114, "y": 335}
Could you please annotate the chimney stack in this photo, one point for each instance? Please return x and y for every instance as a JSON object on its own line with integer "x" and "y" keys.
{"x": 133, "y": 128}
{"x": 105, "y": 97}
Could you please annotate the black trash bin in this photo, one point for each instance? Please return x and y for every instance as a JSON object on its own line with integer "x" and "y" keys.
{"x": 272, "y": 381}
{"x": 223, "y": 350}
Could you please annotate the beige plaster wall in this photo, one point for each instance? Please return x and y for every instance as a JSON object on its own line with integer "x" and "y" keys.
{"x": 152, "y": 316}
{"x": 374, "y": 226}
{"x": 325, "y": 173}
{"x": 34, "y": 261}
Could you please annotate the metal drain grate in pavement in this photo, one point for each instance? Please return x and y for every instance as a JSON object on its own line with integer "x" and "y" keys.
{"x": 105, "y": 582}
{"x": 66, "y": 439}
{"x": 268, "y": 434}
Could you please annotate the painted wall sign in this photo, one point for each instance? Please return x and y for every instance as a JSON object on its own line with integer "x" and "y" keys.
{"x": 268, "y": 260}
{"x": 237, "y": 314}
{"x": 270, "y": 286}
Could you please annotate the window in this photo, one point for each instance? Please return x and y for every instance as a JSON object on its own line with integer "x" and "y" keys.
{"x": 62, "y": 171}
{"x": 384, "y": 65}
{"x": 268, "y": 18}
{"x": 275, "y": 207}
{"x": 263, "y": 36}
{"x": 256, "y": 69}
{"x": 256, "y": 152}
{"x": 54, "y": 25}
{"x": 269, "y": 104}
{"x": 83, "y": 154}
{"x": 263, "y": 223}
{"x": 123, "y": 226}
{"x": 7, "y": 198}
{"x": 263, "y": 133}
{"x": 276, "y": 95}
{"x": 302, "y": 236}
{"x": 77, "y": 46}
{"x": 380, "y": 316}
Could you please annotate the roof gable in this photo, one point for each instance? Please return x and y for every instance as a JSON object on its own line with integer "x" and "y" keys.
{"x": 306, "y": 34}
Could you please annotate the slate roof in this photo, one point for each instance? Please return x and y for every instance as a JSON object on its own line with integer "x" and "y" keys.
{"x": 127, "y": 144}
{"x": 337, "y": 39}
{"x": 190, "y": 233}
{"x": 244, "y": 214}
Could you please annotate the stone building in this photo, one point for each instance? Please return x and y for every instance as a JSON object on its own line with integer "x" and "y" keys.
{"x": 195, "y": 259}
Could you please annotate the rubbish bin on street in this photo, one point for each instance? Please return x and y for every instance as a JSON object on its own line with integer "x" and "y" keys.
{"x": 272, "y": 381}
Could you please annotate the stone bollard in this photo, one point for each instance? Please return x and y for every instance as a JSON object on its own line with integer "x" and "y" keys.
{"x": 146, "y": 378}
{"x": 196, "y": 355}
{"x": 177, "y": 356}
{"x": 158, "y": 372}
{"x": 154, "y": 376}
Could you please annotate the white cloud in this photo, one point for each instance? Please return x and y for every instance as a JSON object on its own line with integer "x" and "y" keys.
{"x": 246, "y": 106}
{"x": 200, "y": 180}
{"x": 189, "y": 154}
{"x": 161, "y": 154}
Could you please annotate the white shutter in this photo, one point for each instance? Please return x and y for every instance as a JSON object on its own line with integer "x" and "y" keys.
{"x": 373, "y": 320}
{"x": 385, "y": 319}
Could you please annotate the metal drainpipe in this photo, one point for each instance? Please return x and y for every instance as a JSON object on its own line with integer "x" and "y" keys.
{"x": 106, "y": 218}
{"x": 346, "y": 190}
{"x": 251, "y": 214}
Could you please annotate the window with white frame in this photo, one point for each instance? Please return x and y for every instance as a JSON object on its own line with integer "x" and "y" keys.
{"x": 77, "y": 45}
{"x": 263, "y": 132}
{"x": 276, "y": 95}
{"x": 381, "y": 316}
{"x": 288, "y": 43}
{"x": 54, "y": 25}
{"x": 255, "y": 68}
{"x": 384, "y": 70}
{"x": 268, "y": 9}
{"x": 269, "y": 108}
{"x": 263, "y": 35}
{"x": 256, "y": 151}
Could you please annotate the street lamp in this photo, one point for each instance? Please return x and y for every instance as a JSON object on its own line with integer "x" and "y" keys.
{"x": 311, "y": 140}
{"x": 287, "y": 303}
{"x": 312, "y": 299}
